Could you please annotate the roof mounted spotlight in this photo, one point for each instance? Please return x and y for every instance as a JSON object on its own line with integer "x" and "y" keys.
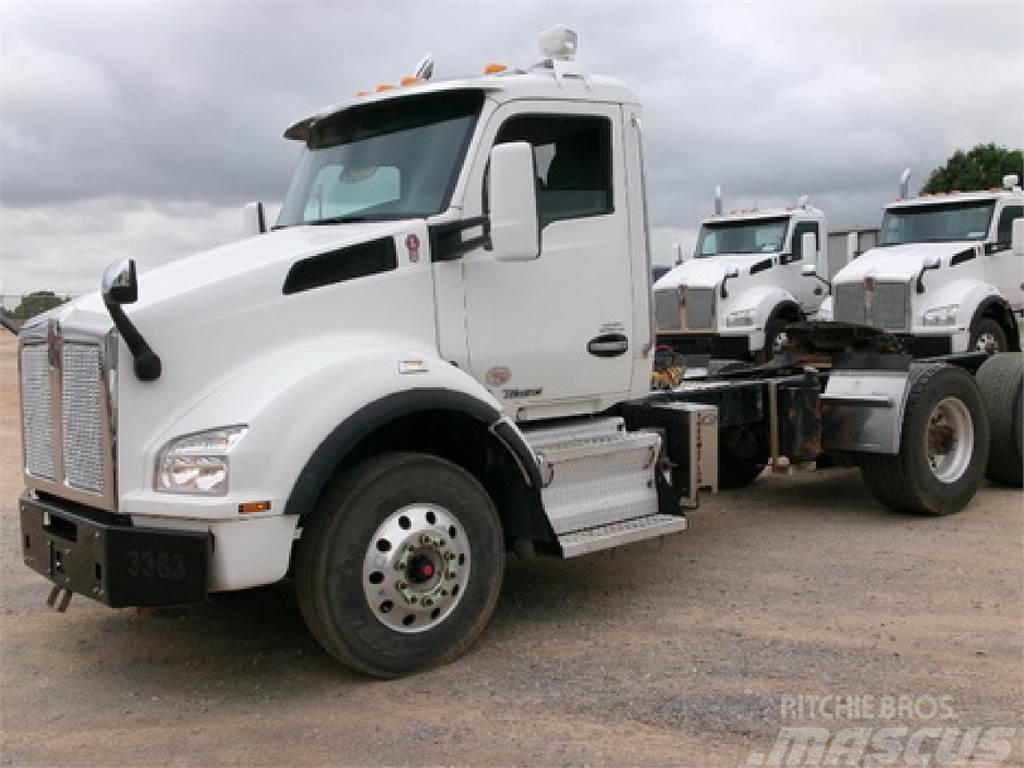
{"x": 802, "y": 201}
{"x": 1010, "y": 180}
{"x": 558, "y": 43}
{"x": 425, "y": 68}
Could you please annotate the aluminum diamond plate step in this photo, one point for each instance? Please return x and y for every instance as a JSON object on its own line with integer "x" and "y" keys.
{"x": 619, "y": 534}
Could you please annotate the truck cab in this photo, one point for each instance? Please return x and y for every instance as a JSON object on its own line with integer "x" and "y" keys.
{"x": 945, "y": 276}
{"x": 734, "y": 298}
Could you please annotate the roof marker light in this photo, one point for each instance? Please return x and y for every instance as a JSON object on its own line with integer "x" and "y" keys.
{"x": 409, "y": 80}
{"x": 360, "y": 94}
{"x": 385, "y": 87}
{"x": 494, "y": 68}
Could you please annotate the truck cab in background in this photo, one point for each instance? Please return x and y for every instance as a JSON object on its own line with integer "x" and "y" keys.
{"x": 744, "y": 284}
{"x": 947, "y": 274}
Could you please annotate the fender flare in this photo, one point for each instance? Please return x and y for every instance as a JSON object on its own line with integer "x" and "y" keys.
{"x": 1003, "y": 313}
{"x": 320, "y": 466}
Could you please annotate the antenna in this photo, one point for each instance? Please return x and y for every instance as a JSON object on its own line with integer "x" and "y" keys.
{"x": 425, "y": 68}
{"x": 905, "y": 184}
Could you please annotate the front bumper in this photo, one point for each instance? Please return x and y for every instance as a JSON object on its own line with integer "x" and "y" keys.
{"x": 110, "y": 560}
{"x": 717, "y": 346}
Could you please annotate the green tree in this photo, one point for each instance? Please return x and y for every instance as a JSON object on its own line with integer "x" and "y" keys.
{"x": 35, "y": 303}
{"x": 980, "y": 168}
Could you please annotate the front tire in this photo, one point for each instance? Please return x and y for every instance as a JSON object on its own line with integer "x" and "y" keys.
{"x": 400, "y": 566}
{"x": 943, "y": 446}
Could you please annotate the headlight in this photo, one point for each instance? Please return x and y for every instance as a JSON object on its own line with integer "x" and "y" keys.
{"x": 941, "y": 315}
{"x": 740, "y": 318}
{"x": 197, "y": 463}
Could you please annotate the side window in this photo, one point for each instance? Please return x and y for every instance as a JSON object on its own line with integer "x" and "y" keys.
{"x": 1004, "y": 230}
{"x": 798, "y": 236}
{"x": 573, "y": 158}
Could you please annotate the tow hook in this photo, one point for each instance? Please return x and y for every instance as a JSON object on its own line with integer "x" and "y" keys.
{"x": 65, "y": 599}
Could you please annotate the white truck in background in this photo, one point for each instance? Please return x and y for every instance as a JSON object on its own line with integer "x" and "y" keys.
{"x": 944, "y": 277}
{"x": 404, "y": 379}
{"x": 743, "y": 285}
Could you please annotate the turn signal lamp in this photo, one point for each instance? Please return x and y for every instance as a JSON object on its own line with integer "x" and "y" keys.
{"x": 248, "y": 507}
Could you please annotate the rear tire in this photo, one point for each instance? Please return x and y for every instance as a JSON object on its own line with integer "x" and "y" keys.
{"x": 400, "y": 565}
{"x": 943, "y": 446}
{"x": 988, "y": 332}
{"x": 1001, "y": 381}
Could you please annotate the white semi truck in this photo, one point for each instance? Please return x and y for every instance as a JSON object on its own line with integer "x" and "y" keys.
{"x": 744, "y": 284}
{"x": 406, "y": 378}
{"x": 944, "y": 277}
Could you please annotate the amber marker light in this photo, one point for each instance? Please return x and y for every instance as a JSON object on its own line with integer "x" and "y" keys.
{"x": 248, "y": 507}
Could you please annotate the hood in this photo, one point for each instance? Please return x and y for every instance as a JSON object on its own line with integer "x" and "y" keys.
{"x": 900, "y": 262}
{"x": 271, "y": 253}
{"x": 709, "y": 272}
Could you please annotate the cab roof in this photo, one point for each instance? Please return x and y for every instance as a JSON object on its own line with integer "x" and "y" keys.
{"x": 544, "y": 81}
{"x": 754, "y": 214}
{"x": 944, "y": 198}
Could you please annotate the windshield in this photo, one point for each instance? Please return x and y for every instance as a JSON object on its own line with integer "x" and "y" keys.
{"x": 757, "y": 236}
{"x": 392, "y": 160}
{"x": 936, "y": 223}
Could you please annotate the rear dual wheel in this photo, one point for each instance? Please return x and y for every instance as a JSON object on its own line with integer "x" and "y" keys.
{"x": 944, "y": 445}
{"x": 400, "y": 566}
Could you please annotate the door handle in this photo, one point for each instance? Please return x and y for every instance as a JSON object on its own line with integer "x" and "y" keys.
{"x": 608, "y": 345}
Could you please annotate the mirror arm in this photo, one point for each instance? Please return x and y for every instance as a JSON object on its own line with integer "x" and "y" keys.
{"x": 920, "y": 276}
{"x": 147, "y": 362}
{"x": 722, "y": 292}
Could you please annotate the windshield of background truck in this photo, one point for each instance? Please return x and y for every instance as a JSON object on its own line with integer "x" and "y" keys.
{"x": 937, "y": 223}
{"x": 396, "y": 159}
{"x": 760, "y": 236}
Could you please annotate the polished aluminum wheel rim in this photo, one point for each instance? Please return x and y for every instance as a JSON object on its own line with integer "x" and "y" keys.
{"x": 985, "y": 341}
{"x": 949, "y": 440}
{"x": 416, "y": 568}
{"x": 779, "y": 342}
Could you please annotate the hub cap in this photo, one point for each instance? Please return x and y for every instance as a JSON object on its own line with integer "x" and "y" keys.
{"x": 986, "y": 341}
{"x": 779, "y": 342}
{"x": 416, "y": 568}
{"x": 949, "y": 440}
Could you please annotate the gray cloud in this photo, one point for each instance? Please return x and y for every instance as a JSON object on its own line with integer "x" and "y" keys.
{"x": 141, "y": 127}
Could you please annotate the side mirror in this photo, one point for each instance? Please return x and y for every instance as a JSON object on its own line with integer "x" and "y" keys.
{"x": 119, "y": 284}
{"x": 811, "y": 270}
{"x": 809, "y": 247}
{"x": 254, "y": 221}
{"x": 512, "y": 191}
{"x": 1017, "y": 237}
{"x": 852, "y": 246}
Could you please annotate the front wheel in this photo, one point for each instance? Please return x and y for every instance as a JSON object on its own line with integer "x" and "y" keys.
{"x": 944, "y": 443}
{"x": 988, "y": 336}
{"x": 401, "y": 564}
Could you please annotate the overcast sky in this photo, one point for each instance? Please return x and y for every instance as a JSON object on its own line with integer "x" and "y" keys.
{"x": 141, "y": 128}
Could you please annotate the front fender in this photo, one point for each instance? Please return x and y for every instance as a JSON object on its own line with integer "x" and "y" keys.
{"x": 292, "y": 401}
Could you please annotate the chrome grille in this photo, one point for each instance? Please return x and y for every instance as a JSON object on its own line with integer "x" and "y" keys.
{"x": 82, "y": 418}
{"x": 889, "y": 305}
{"x": 666, "y": 309}
{"x": 700, "y": 308}
{"x": 849, "y": 304}
{"x": 37, "y": 412}
{"x": 67, "y": 419}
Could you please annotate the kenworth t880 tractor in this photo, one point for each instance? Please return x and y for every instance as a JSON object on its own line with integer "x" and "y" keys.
{"x": 945, "y": 276}
{"x": 405, "y": 378}
{"x": 744, "y": 284}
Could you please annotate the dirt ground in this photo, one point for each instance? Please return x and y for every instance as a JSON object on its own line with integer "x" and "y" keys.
{"x": 679, "y": 653}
